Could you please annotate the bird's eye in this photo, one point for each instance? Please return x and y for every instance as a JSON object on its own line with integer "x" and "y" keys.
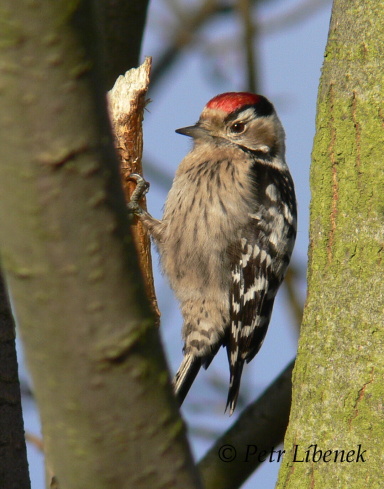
{"x": 238, "y": 127}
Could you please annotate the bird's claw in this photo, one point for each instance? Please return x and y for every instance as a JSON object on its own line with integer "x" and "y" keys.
{"x": 142, "y": 187}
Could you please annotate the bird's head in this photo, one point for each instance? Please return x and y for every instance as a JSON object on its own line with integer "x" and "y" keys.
{"x": 241, "y": 118}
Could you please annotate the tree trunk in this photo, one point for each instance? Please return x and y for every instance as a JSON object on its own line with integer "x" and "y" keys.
{"x": 13, "y": 453}
{"x": 122, "y": 25}
{"x": 336, "y": 433}
{"x": 108, "y": 414}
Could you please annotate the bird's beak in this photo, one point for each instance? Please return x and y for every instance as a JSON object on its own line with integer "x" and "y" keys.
{"x": 192, "y": 131}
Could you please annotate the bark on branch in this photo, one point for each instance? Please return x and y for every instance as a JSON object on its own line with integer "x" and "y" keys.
{"x": 13, "y": 453}
{"x": 337, "y": 400}
{"x": 127, "y": 101}
{"x": 260, "y": 427}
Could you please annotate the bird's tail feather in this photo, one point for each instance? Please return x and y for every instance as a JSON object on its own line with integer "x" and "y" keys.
{"x": 185, "y": 376}
{"x": 234, "y": 386}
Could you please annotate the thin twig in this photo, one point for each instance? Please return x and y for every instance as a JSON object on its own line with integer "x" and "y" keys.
{"x": 34, "y": 440}
{"x": 293, "y": 294}
{"x": 190, "y": 25}
{"x": 249, "y": 34}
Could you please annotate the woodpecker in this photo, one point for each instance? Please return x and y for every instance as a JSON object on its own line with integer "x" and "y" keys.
{"x": 227, "y": 233}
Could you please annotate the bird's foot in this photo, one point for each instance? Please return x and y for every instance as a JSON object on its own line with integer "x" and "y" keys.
{"x": 142, "y": 187}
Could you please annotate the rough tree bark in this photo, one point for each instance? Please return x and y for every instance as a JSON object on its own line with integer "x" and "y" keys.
{"x": 122, "y": 25}
{"x": 13, "y": 453}
{"x": 339, "y": 374}
{"x": 108, "y": 414}
{"x": 127, "y": 101}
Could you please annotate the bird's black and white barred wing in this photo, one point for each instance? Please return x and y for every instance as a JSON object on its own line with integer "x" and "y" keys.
{"x": 252, "y": 295}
